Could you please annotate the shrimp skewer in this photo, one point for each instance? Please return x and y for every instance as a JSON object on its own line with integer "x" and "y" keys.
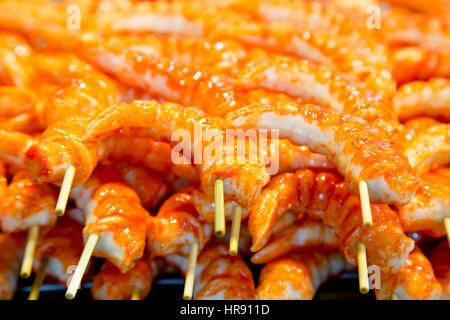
{"x": 219, "y": 275}
{"x": 27, "y": 206}
{"x": 323, "y": 196}
{"x": 249, "y": 176}
{"x": 57, "y": 252}
{"x": 176, "y": 225}
{"x": 177, "y": 230}
{"x": 173, "y": 77}
{"x": 115, "y": 225}
{"x": 359, "y": 150}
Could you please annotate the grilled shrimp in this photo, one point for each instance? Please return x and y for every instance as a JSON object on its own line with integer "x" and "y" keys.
{"x": 27, "y": 204}
{"x": 242, "y": 180}
{"x": 82, "y": 90}
{"x": 59, "y": 146}
{"x": 426, "y": 144}
{"x": 111, "y": 284}
{"x": 11, "y": 248}
{"x": 440, "y": 259}
{"x": 414, "y": 281}
{"x": 16, "y": 61}
{"x": 306, "y": 233}
{"x": 299, "y": 275}
{"x": 176, "y": 225}
{"x": 15, "y": 101}
{"x": 277, "y": 197}
{"x": 13, "y": 146}
{"x": 430, "y": 205}
{"x": 181, "y": 82}
{"x": 359, "y": 150}
{"x": 114, "y": 212}
{"x": 219, "y": 276}
{"x": 63, "y": 245}
{"x": 319, "y": 85}
{"x": 417, "y": 63}
{"x": 324, "y": 196}
{"x": 150, "y": 186}
{"x": 420, "y": 98}
{"x": 153, "y": 154}
{"x": 201, "y": 18}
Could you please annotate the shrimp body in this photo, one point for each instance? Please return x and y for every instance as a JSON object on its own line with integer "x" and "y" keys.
{"x": 11, "y": 248}
{"x": 414, "y": 281}
{"x": 359, "y": 150}
{"x": 113, "y": 212}
{"x": 416, "y": 63}
{"x": 222, "y": 277}
{"x": 420, "y": 98}
{"x": 63, "y": 245}
{"x": 298, "y": 276}
{"x": 148, "y": 185}
{"x": 276, "y": 198}
{"x": 426, "y": 144}
{"x": 430, "y": 206}
{"x": 13, "y": 145}
{"x": 306, "y": 233}
{"x": 59, "y": 146}
{"x": 324, "y": 196}
{"x": 318, "y": 85}
{"x": 16, "y": 62}
{"x": 242, "y": 180}
{"x": 219, "y": 276}
{"x": 27, "y": 204}
{"x": 156, "y": 155}
{"x": 82, "y": 94}
{"x": 111, "y": 284}
{"x": 176, "y": 225}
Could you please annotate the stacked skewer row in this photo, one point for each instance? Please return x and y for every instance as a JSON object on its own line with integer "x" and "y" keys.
{"x": 92, "y": 98}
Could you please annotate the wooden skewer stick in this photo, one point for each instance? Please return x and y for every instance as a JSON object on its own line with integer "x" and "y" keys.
{"x": 136, "y": 295}
{"x": 235, "y": 230}
{"x": 219, "y": 205}
{"x": 30, "y": 246}
{"x": 362, "y": 269}
{"x": 365, "y": 204}
{"x": 447, "y": 228}
{"x": 65, "y": 191}
{"x": 81, "y": 267}
{"x": 190, "y": 273}
{"x": 38, "y": 280}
